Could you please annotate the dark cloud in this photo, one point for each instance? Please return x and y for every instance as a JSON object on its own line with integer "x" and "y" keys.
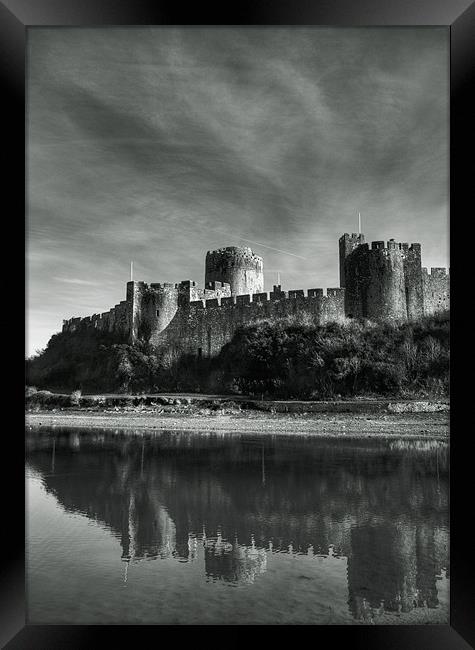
{"x": 157, "y": 144}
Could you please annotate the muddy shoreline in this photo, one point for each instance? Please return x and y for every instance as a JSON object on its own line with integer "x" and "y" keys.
{"x": 405, "y": 425}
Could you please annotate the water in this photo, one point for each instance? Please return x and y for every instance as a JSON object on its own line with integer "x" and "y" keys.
{"x": 180, "y": 528}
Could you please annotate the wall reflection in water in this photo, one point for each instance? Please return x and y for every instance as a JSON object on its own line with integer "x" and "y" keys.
{"x": 229, "y": 501}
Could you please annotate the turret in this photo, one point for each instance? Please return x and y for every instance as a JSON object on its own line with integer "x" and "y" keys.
{"x": 238, "y": 266}
{"x": 348, "y": 243}
{"x": 413, "y": 280}
{"x": 134, "y": 304}
{"x": 376, "y": 282}
{"x": 150, "y": 308}
{"x": 161, "y": 305}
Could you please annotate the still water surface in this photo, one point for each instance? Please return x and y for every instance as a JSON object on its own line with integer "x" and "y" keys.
{"x": 180, "y": 528}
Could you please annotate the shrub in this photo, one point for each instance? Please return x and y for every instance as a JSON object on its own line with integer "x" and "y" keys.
{"x": 75, "y": 397}
{"x": 280, "y": 358}
{"x": 283, "y": 359}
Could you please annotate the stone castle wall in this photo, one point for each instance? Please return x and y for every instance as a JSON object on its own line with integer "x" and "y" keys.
{"x": 163, "y": 314}
{"x": 387, "y": 282}
{"x": 381, "y": 282}
{"x": 375, "y": 283}
{"x": 115, "y": 320}
{"x": 203, "y": 327}
{"x": 347, "y": 244}
{"x": 412, "y": 278}
{"x": 436, "y": 289}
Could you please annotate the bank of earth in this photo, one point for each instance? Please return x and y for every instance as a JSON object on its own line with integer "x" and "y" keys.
{"x": 214, "y": 414}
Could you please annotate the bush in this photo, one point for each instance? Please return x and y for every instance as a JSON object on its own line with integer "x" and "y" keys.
{"x": 283, "y": 358}
{"x": 76, "y": 398}
{"x": 287, "y": 360}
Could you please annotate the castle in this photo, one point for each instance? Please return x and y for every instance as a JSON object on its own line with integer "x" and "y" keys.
{"x": 376, "y": 283}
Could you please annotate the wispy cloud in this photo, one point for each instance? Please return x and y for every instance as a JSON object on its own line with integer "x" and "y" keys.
{"x": 77, "y": 281}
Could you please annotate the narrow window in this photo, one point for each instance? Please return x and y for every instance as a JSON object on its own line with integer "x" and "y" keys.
{"x": 200, "y": 352}
{"x": 158, "y": 312}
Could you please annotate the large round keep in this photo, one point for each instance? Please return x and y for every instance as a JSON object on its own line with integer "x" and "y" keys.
{"x": 238, "y": 266}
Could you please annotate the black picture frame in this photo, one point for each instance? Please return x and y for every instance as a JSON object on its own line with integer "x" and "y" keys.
{"x": 16, "y": 16}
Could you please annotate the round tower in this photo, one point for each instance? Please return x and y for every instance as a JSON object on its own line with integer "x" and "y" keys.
{"x": 386, "y": 293}
{"x": 166, "y": 305}
{"x": 159, "y": 305}
{"x": 375, "y": 283}
{"x": 238, "y": 266}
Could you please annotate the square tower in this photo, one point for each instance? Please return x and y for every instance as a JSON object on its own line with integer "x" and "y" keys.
{"x": 348, "y": 243}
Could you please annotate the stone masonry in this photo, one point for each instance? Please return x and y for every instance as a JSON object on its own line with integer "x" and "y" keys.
{"x": 381, "y": 282}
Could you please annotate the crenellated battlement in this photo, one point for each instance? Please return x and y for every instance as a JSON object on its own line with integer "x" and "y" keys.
{"x": 236, "y": 266}
{"x": 379, "y": 281}
{"x": 385, "y": 281}
{"x": 393, "y": 245}
{"x": 268, "y": 297}
{"x": 237, "y": 252}
{"x": 114, "y": 319}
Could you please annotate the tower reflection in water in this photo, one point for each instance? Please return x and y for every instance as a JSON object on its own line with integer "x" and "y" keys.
{"x": 231, "y": 502}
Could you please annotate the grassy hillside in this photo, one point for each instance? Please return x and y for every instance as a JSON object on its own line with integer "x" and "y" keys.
{"x": 279, "y": 359}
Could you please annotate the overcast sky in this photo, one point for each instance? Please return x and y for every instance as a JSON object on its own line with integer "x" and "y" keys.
{"x": 158, "y": 144}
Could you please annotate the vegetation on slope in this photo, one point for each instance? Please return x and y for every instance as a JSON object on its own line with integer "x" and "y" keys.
{"x": 279, "y": 359}
{"x": 315, "y": 362}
